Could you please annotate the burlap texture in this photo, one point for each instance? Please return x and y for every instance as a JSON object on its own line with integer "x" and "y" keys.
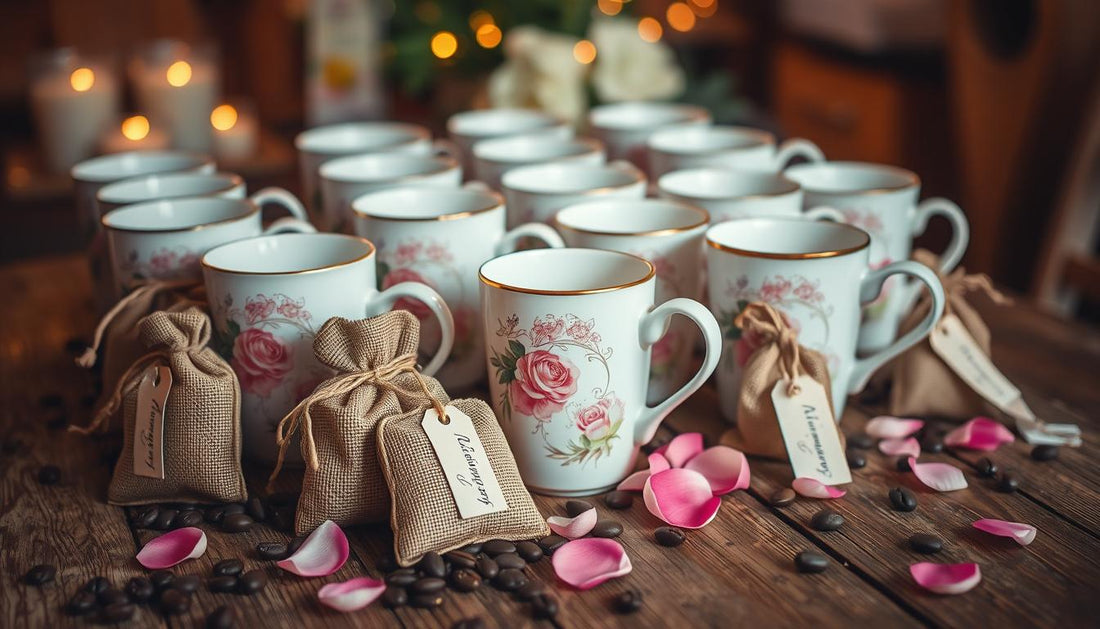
{"x": 202, "y": 417}
{"x": 347, "y": 486}
{"x": 424, "y": 515}
{"x": 778, "y": 357}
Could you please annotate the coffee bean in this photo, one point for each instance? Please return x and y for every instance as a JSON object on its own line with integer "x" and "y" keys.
{"x": 117, "y": 612}
{"x": 469, "y": 623}
{"x": 1044, "y": 453}
{"x": 931, "y": 446}
{"x": 236, "y": 523}
{"x": 860, "y": 441}
{"x": 161, "y": 579}
{"x": 577, "y": 507}
{"x": 81, "y": 603}
{"x": 271, "y": 551}
{"x": 427, "y": 585}
{"x": 530, "y": 591}
{"x": 187, "y": 518}
{"x": 628, "y": 602}
{"x": 256, "y": 510}
{"x": 145, "y": 518}
{"x": 782, "y": 497}
{"x": 495, "y": 547}
{"x": 619, "y": 500}
{"x": 487, "y": 568}
{"x": 214, "y": 514}
{"x": 544, "y": 606}
{"x": 431, "y": 565}
{"x": 509, "y": 580}
{"x": 224, "y": 617}
{"x": 39, "y": 575}
{"x": 827, "y": 520}
{"x": 901, "y": 499}
{"x": 530, "y": 551}
{"x": 49, "y": 475}
{"x": 607, "y": 528}
{"x": 473, "y": 549}
{"x": 252, "y": 582}
{"x": 1008, "y": 482}
{"x": 510, "y": 561}
{"x": 902, "y": 464}
{"x": 188, "y": 583}
{"x": 986, "y": 467}
{"x": 140, "y": 590}
{"x": 174, "y": 602}
{"x": 465, "y": 580}
{"x": 402, "y": 578}
{"x": 112, "y": 596}
{"x": 669, "y": 536}
{"x": 460, "y": 559}
{"x": 165, "y": 519}
{"x": 856, "y": 460}
{"x": 550, "y": 543}
{"x": 223, "y": 584}
{"x": 386, "y": 563}
{"x": 426, "y": 601}
{"x": 810, "y": 562}
{"x": 925, "y": 543}
{"x": 228, "y": 567}
{"x": 395, "y": 597}
{"x": 232, "y": 508}
{"x": 95, "y": 585}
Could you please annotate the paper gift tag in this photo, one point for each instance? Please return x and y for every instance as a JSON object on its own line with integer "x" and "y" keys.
{"x": 810, "y": 433}
{"x": 156, "y": 383}
{"x": 465, "y": 463}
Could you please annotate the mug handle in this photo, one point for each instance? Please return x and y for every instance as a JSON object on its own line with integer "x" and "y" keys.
{"x": 824, "y": 213}
{"x": 291, "y": 225}
{"x": 796, "y": 147}
{"x": 652, "y": 327}
{"x": 952, "y": 255}
{"x": 384, "y": 301}
{"x": 538, "y": 231}
{"x": 869, "y": 290}
{"x": 281, "y": 197}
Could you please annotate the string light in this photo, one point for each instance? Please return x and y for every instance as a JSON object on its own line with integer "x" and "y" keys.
{"x": 135, "y": 128}
{"x": 680, "y": 17}
{"x": 488, "y": 35}
{"x": 444, "y": 44}
{"x": 224, "y": 117}
{"x": 179, "y": 74}
{"x": 584, "y": 51}
{"x": 610, "y": 7}
{"x": 649, "y": 29}
{"x": 82, "y": 79}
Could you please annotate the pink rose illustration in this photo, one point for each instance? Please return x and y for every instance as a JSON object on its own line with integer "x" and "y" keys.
{"x": 258, "y": 308}
{"x": 595, "y": 421}
{"x": 415, "y": 306}
{"x": 290, "y": 309}
{"x": 579, "y": 330}
{"x": 407, "y": 253}
{"x": 163, "y": 262}
{"x": 438, "y": 253}
{"x": 543, "y": 383}
{"x": 261, "y": 361}
{"x": 548, "y": 330}
{"x": 805, "y": 291}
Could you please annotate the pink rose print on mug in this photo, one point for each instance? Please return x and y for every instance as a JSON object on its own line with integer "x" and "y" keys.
{"x": 396, "y": 276}
{"x": 543, "y": 383}
{"x": 596, "y": 421}
{"x": 261, "y": 361}
{"x": 162, "y": 264}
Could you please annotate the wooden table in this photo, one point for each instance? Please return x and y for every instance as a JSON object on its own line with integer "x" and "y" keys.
{"x": 736, "y": 571}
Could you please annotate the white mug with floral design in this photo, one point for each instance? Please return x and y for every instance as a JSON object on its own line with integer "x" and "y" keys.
{"x": 817, "y": 275}
{"x": 164, "y": 239}
{"x": 569, "y": 333}
{"x": 625, "y": 127}
{"x": 467, "y": 128}
{"x": 269, "y": 296}
{"x": 717, "y": 146}
{"x": 882, "y": 200}
{"x": 537, "y": 192}
{"x": 494, "y": 157}
{"x": 439, "y": 237}
{"x": 169, "y": 186}
{"x": 732, "y": 194}
{"x": 668, "y": 234}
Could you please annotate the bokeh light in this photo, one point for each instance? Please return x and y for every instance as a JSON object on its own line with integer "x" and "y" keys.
{"x": 82, "y": 79}
{"x": 135, "y": 128}
{"x": 584, "y": 51}
{"x": 649, "y": 29}
{"x": 488, "y": 35}
{"x": 610, "y": 7}
{"x": 680, "y": 17}
{"x": 704, "y": 8}
{"x": 223, "y": 117}
{"x": 480, "y": 18}
{"x": 444, "y": 44}
{"x": 179, "y": 74}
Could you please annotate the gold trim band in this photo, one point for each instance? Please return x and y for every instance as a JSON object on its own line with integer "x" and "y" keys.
{"x": 498, "y": 202}
{"x": 370, "y": 252}
{"x": 253, "y": 209}
{"x": 912, "y": 178}
{"x": 662, "y": 231}
{"x": 650, "y": 274}
{"x": 807, "y": 255}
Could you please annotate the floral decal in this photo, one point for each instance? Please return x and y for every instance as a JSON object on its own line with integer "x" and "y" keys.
{"x": 164, "y": 264}
{"x": 260, "y": 360}
{"x": 248, "y": 340}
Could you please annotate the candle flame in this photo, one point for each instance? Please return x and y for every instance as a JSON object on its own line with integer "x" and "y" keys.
{"x": 135, "y": 128}
{"x": 179, "y": 74}
{"x": 82, "y": 79}
{"x": 224, "y": 117}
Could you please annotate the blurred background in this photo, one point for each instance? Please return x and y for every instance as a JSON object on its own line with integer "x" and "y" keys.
{"x": 995, "y": 103}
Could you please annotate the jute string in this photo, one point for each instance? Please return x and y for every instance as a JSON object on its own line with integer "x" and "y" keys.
{"x": 88, "y": 358}
{"x": 761, "y": 319}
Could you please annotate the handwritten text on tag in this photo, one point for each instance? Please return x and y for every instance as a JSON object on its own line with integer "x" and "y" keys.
{"x": 810, "y": 433}
{"x": 153, "y": 390}
{"x": 465, "y": 463}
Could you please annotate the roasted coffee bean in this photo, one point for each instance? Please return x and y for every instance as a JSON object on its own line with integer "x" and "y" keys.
{"x": 902, "y": 464}
{"x": 669, "y": 536}
{"x": 530, "y": 551}
{"x": 49, "y": 475}
{"x": 495, "y": 547}
{"x": 925, "y": 543}
{"x": 607, "y": 528}
{"x": 577, "y": 507}
{"x": 256, "y": 510}
{"x": 228, "y": 567}
{"x": 619, "y": 500}
{"x": 487, "y": 568}
{"x": 465, "y": 580}
{"x": 509, "y": 580}
{"x": 252, "y": 582}
{"x": 473, "y": 549}
{"x": 39, "y": 575}
{"x": 510, "y": 561}
{"x": 224, "y": 617}
{"x": 856, "y": 461}
{"x": 95, "y": 585}
{"x": 931, "y": 446}
{"x": 628, "y": 602}
{"x": 395, "y": 597}
{"x": 901, "y": 499}
{"x": 827, "y": 520}
{"x": 236, "y": 523}
{"x": 188, "y": 583}
{"x": 860, "y": 441}
{"x": 145, "y": 517}
{"x": 386, "y": 563}
{"x": 986, "y": 467}
{"x": 233, "y": 508}
{"x": 223, "y": 584}
{"x": 782, "y": 497}
{"x": 460, "y": 559}
{"x": 112, "y": 596}
{"x": 294, "y": 544}
{"x": 431, "y": 565}
{"x": 427, "y": 585}
{"x": 469, "y": 623}
{"x": 810, "y": 562}
{"x": 117, "y": 612}
{"x": 531, "y": 590}
{"x": 187, "y": 518}
{"x": 271, "y": 551}
{"x": 1044, "y": 453}
{"x": 426, "y": 601}
{"x": 544, "y": 606}
{"x": 1008, "y": 482}
{"x": 550, "y": 543}
{"x": 165, "y": 519}
{"x": 174, "y": 602}
{"x": 214, "y": 514}
{"x": 81, "y": 603}
{"x": 402, "y": 578}
{"x": 140, "y": 590}
{"x": 161, "y": 579}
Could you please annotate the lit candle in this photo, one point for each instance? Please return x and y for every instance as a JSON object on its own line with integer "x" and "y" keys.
{"x": 177, "y": 88}
{"x": 73, "y": 104}
{"x": 235, "y": 132}
{"x": 135, "y": 133}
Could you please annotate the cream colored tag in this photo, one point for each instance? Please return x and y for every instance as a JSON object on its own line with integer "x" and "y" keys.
{"x": 153, "y": 391}
{"x": 465, "y": 463}
{"x": 810, "y": 433}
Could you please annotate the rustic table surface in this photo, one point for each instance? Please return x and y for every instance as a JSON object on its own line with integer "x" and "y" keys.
{"x": 736, "y": 571}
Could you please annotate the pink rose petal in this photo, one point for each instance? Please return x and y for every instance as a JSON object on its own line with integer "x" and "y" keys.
{"x": 813, "y": 488}
{"x": 586, "y": 563}
{"x": 682, "y": 448}
{"x": 575, "y": 527}
{"x": 980, "y": 433}
{"x": 324, "y": 552}
{"x": 658, "y": 463}
{"x": 886, "y": 427}
{"x": 898, "y": 447}
{"x": 173, "y": 548}
{"x": 724, "y": 468}
{"x": 634, "y": 482}
{"x": 1022, "y": 533}
{"x": 946, "y": 578}
{"x": 681, "y": 497}
{"x": 938, "y": 476}
{"x": 351, "y": 595}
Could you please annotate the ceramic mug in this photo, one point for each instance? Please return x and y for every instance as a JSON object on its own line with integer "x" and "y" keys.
{"x": 624, "y": 128}
{"x": 537, "y": 192}
{"x": 733, "y": 194}
{"x": 493, "y": 158}
{"x": 164, "y": 239}
{"x": 569, "y": 334}
{"x": 439, "y": 237}
{"x": 668, "y": 234}
{"x": 740, "y": 148}
{"x": 269, "y": 296}
{"x": 882, "y": 200}
{"x": 176, "y": 185}
{"x": 467, "y": 128}
{"x": 345, "y": 178}
{"x": 817, "y": 274}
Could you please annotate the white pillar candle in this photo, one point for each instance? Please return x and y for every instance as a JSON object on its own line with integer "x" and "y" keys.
{"x": 178, "y": 96}
{"x": 134, "y": 134}
{"x": 235, "y": 133}
{"x": 72, "y": 107}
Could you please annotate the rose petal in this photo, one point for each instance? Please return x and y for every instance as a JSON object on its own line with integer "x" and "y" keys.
{"x": 1022, "y": 533}
{"x": 575, "y": 527}
{"x": 634, "y": 482}
{"x": 813, "y": 488}
{"x": 586, "y": 563}
{"x": 898, "y": 447}
{"x": 681, "y": 497}
{"x": 938, "y": 476}
{"x": 173, "y": 548}
{"x": 724, "y": 468}
{"x": 886, "y": 427}
{"x": 323, "y": 552}
{"x": 351, "y": 595}
{"x": 946, "y": 578}
{"x": 980, "y": 433}
{"x": 682, "y": 447}
{"x": 658, "y": 463}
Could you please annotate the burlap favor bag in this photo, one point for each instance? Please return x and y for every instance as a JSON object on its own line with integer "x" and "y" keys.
{"x": 923, "y": 384}
{"x": 778, "y": 357}
{"x": 425, "y": 516}
{"x": 375, "y": 364}
{"x": 202, "y": 417}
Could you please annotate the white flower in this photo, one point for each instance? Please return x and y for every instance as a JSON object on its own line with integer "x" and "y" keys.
{"x": 630, "y": 68}
{"x": 540, "y": 72}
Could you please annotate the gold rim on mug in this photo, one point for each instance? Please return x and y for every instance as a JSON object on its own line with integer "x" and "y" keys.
{"x": 913, "y": 179}
{"x": 590, "y": 146}
{"x": 638, "y": 177}
{"x": 498, "y": 202}
{"x": 232, "y": 181}
{"x": 795, "y": 187}
{"x": 253, "y": 209}
{"x": 448, "y": 163}
{"x": 663, "y": 231}
{"x": 651, "y": 272}
{"x": 370, "y": 252}
{"x": 807, "y": 255}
